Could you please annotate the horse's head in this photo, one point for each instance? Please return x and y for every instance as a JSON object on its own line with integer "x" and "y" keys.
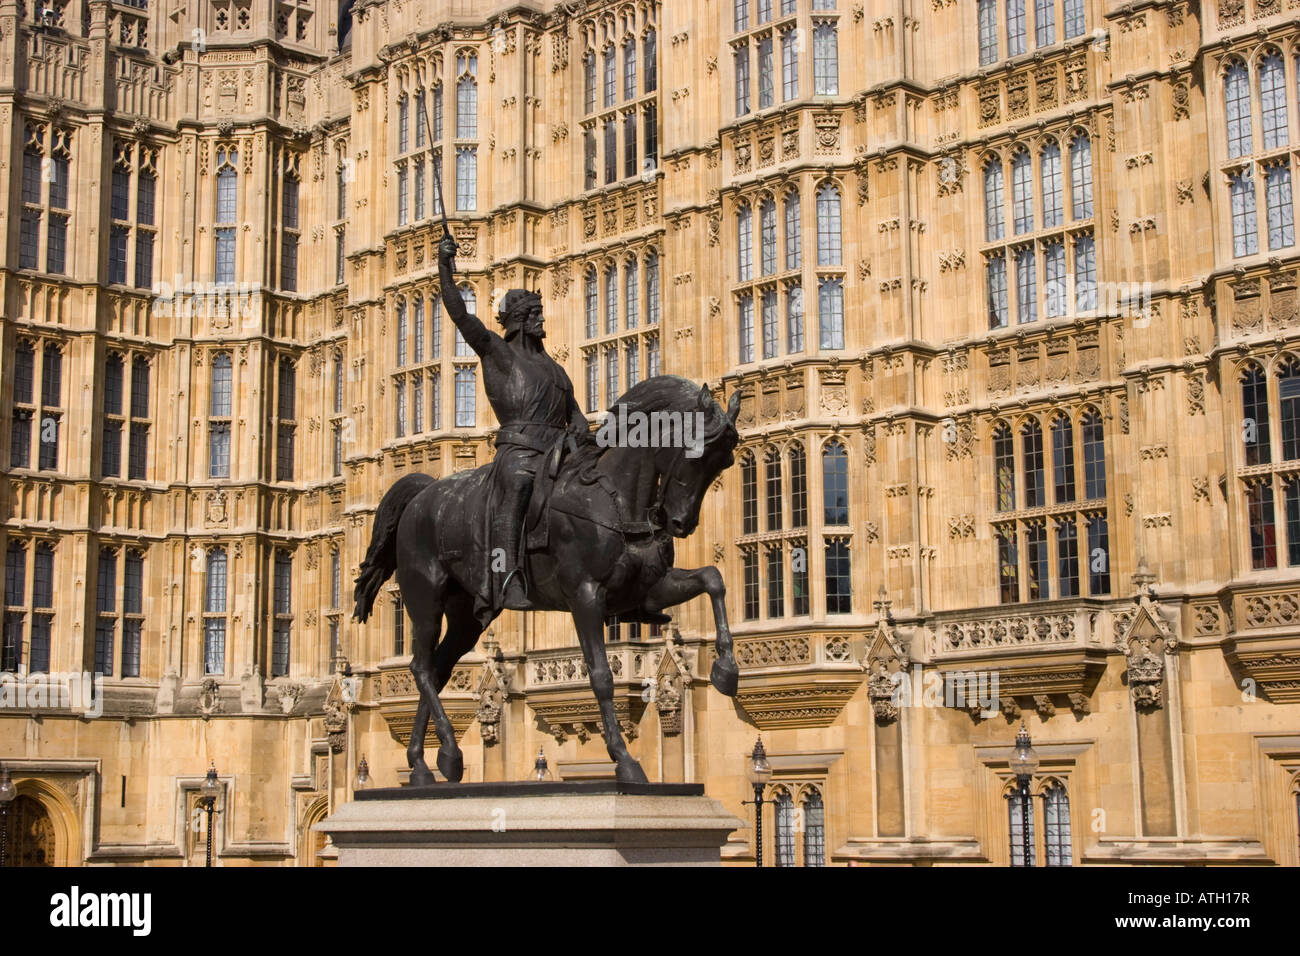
{"x": 688, "y": 471}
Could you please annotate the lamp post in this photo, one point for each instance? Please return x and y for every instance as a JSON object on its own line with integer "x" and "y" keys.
{"x": 1023, "y": 764}
{"x": 208, "y": 797}
{"x": 759, "y": 772}
{"x": 7, "y": 794}
{"x": 363, "y": 775}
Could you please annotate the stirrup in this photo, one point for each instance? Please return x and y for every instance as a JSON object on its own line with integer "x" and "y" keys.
{"x": 521, "y": 603}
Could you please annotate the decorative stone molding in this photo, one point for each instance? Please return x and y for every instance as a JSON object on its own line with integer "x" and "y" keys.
{"x": 887, "y": 664}
{"x": 1145, "y": 636}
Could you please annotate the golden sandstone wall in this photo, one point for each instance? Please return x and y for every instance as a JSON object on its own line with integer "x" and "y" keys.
{"x": 1033, "y": 336}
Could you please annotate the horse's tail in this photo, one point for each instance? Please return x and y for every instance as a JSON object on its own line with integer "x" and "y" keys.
{"x": 381, "y": 556}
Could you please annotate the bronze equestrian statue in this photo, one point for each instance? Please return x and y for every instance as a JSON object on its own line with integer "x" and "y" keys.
{"x": 557, "y": 522}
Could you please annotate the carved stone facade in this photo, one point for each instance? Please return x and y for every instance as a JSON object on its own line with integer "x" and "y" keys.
{"x": 1175, "y": 639}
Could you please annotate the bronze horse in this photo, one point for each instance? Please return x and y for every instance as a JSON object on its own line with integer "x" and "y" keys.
{"x": 612, "y": 515}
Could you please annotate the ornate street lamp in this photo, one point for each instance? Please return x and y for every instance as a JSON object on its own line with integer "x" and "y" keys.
{"x": 759, "y": 772}
{"x": 208, "y": 792}
{"x": 363, "y": 775}
{"x": 1024, "y": 761}
{"x": 7, "y": 794}
{"x": 541, "y": 770}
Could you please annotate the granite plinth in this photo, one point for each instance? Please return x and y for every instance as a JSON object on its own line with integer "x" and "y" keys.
{"x": 583, "y": 823}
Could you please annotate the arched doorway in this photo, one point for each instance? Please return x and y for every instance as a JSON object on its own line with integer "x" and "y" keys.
{"x": 31, "y": 833}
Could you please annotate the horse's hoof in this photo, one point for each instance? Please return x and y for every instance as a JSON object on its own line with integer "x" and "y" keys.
{"x": 421, "y": 776}
{"x": 451, "y": 764}
{"x": 628, "y": 770}
{"x": 725, "y": 676}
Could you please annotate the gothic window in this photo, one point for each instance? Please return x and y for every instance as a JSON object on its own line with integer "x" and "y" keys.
{"x": 1008, "y": 566}
{"x": 995, "y": 273}
{"x": 1049, "y": 174}
{"x": 1022, "y": 193}
{"x": 839, "y": 584}
{"x": 1236, "y": 96}
{"x": 631, "y": 295}
{"x": 1255, "y": 412}
{"x": 650, "y": 54}
{"x": 789, "y": 65}
{"x": 1067, "y": 556}
{"x": 590, "y": 297}
{"x": 767, "y": 236}
{"x": 1081, "y": 176}
{"x": 282, "y": 610}
{"x": 1017, "y": 27}
{"x": 227, "y": 213}
{"x": 1272, "y": 97}
{"x": 399, "y": 628}
{"x": 829, "y": 251}
{"x": 775, "y": 581}
{"x": 1004, "y": 464}
{"x": 826, "y": 59}
{"x": 1094, "y": 456}
{"x": 1085, "y": 274}
{"x": 1277, "y": 201}
{"x": 286, "y": 420}
{"x": 1036, "y": 560}
{"x": 1099, "y": 556}
{"x": 830, "y": 312}
{"x": 1016, "y": 837}
{"x": 835, "y": 484}
{"x": 814, "y": 829}
{"x": 652, "y": 290}
{"x": 771, "y": 333}
{"x": 466, "y": 96}
{"x": 988, "y": 31}
{"x": 466, "y": 379}
{"x": 745, "y": 327}
{"x": 219, "y": 415}
{"x": 993, "y": 223}
{"x": 1288, "y": 391}
{"x": 1073, "y": 18}
{"x": 589, "y": 81}
{"x": 1044, "y": 22}
{"x": 772, "y": 479}
{"x": 214, "y": 613}
{"x": 1056, "y": 825}
{"x": 784, "y": 836}
{"x": 1063, "y": 459}
{"x": 793, "y": 239}
{"x": 794, "y": 318}
{"x": 466, "y": 178}
{"x": 798, "y": 486}
{"x": 1260, "y": 518}
{"x": 1031, "y": 443}
{"x": 748, "y": 494}
{"x": 744, "y": 244}
{"x": 766, "y": 67}
{"x": 1026, "y": 286}
{"x": 749, "y": 561}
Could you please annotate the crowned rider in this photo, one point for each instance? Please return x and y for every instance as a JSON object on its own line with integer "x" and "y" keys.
{"x": 532, "y": 397}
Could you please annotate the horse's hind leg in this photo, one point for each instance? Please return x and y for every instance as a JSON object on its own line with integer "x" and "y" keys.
{"x": 423, "y": 593}
{"x": 463, "y": 630}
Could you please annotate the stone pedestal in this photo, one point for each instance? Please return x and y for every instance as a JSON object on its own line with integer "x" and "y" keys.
{"x": 581, "y": 823}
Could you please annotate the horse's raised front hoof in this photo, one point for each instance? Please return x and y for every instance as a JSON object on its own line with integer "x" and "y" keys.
{"x": 451, "y": 764}
{"x": 628, "y": 770}
{"x": 421, "y": 776}
{"x": 725, "y": 676}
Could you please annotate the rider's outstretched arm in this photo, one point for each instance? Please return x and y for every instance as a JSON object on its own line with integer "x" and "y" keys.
{"x": 476, "y": 334}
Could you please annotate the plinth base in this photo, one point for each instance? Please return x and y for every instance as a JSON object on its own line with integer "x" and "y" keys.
{"x": 579, "y": 823}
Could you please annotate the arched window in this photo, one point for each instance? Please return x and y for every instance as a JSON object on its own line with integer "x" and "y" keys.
{"x": 830, "y": 312}
{"x": 467, "y": 97}
{"x": 650, "y": 54}
{"x": 1004, "y": 467}
{"x": 401, "y": 332}
{"x": 826, "y": 59}
{"x": 835, "y": 484}
{"x": 793, "y": 235}
{"x": 110, "y": 459}
{"x": 784, "y": 837}
{"x": 798, "y": 486}
{"x": 839, "y": 577}
{"x": 1288, "y": 393}
{"x": 1017, "y": 28}
{"x": 652, "y": 290}
{"x": 1022, "y": 193}
{"x": 611, "y": 73}
{"x": 1056, "y": 825}
{"x": 214, "y": 610}
{"x": 1272, "y": 99}
{"x": 220, "y": 407}
{"x": 1236, "y": 101}
{"x": 1081, "y": 176}
{"x": 631, "y": 295}
{"x": 748, "y": 494}
{"x": 629, "y": 68}
{"x": 767, "y": 236}
{"x": 611, "y": 300}
{"x": 993, "y": 223}
{"x": 1063, "y": 460}
{"x": 1254, "y": 410}
{"x": 1049, "y": 175}
{"x": 744, "y": 244}
{"x": 988, "y": 31}
{"x": 590, "y": 297}
{"x": 227, "y": 213}
{"x": 1245, "y": 226}
{"x": 403, "y": 123}
{"x": 589, "y": 81}
{"x": 814, "y": 829}
{"x": 467, "y": 296}
{"x": 1031, "y": 446}
{"x": 829, "y": 251}
{"x": 1016, "y": 818}
{"x": 772, "y": 478}
{"x": 1093, "y": 457}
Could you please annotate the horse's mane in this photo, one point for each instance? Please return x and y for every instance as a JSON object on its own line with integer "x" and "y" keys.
{"x": 664, "y": 393}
